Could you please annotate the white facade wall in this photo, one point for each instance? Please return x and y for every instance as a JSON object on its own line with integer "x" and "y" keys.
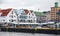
{"x": 12, "y": 17}
{"x": 30, "y": 16}
{"x": 3, "y": 19}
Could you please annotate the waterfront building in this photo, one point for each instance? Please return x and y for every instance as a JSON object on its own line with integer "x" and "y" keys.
{"x": 17, "y": 16}
{"x": 48, "y": 15}
{"x": 54, "y": 11}
{"x": 25, "y": 16}
{"x": 41, "y": 17}
{"x": 8, "y": 15}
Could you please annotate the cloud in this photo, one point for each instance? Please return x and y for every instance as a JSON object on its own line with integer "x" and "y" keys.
{"x": 28, "y": 4}
{"x": 1, "y": 1}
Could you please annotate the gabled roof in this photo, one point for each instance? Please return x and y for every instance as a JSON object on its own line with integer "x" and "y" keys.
{"x": 39, "y": 13}
{"x": 5, "y": 12}
{"x": 26, "y": 11}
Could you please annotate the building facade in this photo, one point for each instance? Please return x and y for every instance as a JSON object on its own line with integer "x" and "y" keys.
{"x": 8, "y": 15}
{"x": 54, "y": 11}
{"x": 48, "y": 15}
{"x": 41, "y": 17}
{"x": 25, "y": 16}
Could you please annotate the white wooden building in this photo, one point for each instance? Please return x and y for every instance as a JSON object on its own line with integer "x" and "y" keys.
{"x": 8, "y": 15}
{"x": 17, "y": 16}
{"x": 25, "y": 16}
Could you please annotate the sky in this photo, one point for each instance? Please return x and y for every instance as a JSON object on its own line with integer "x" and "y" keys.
{"x": 42, "y": 5}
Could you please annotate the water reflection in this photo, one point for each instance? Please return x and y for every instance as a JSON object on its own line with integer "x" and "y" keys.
{"x": 24, "y": 34}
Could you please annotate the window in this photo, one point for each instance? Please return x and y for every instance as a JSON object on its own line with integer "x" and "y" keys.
{"x": 10, "y": 24}
{"x": 59, "y": 25}
{"x": 32, "y": 14}
{"x": 29, "y": 16}
{"x": 23, "y": 14}
{"x": 3, "y": 20}
{"x": 11, "y": 16}
{"x": 34, "y": 18}
{"x": 23, "y": 17}
{"x": 14, "y": 16}
{"x": 29, "y": 13}
{"x": 12, "y": 12}
{"x": 22, "y": 21}
{"x": 28, "y": 20}
{"x": 9, "y": 20}
{"x": 12, "y": 20}
{"x": 31, "y": 21}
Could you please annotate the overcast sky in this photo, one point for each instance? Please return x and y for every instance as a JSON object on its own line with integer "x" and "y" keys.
{"x": 43, "y": 5}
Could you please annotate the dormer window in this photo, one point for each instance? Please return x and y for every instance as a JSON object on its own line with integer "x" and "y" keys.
{"x": 58, "y": 13}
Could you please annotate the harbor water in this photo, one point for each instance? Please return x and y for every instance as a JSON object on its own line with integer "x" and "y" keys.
{"x": 24, "y": 34}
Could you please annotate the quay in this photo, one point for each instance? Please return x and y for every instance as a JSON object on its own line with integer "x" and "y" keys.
{"x": 29, "y": 28}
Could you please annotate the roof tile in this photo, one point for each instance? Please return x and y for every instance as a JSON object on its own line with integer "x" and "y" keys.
{"x": 5, "y": 12}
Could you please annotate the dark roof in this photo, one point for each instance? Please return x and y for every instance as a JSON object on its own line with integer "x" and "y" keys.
{"x": 5, "y": 12}
{"x": 26, "y": 11}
